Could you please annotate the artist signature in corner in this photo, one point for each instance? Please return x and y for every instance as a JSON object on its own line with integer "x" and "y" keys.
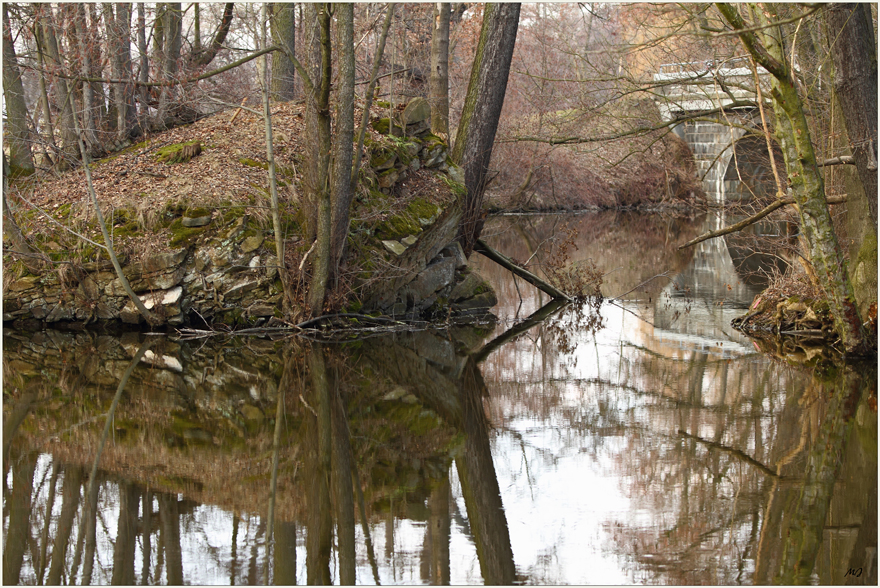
{"x": 851, "y": 572}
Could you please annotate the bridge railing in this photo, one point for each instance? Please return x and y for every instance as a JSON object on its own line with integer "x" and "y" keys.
{"x": 705, "y": 65}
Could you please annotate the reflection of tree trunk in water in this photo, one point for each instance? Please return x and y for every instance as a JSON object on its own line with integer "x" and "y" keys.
{"x": 285, "y": 554}
{"x": 317, "y": 465}
{"x": 435, "y": 558}
{"x": 252, "y": 576}
{"x": 126, "y": 535}
{"x": 864, "y": 553}
{"x": 70, "y": 488}
{"x": 16, "y": 416}
{"x": 479, "y": 484}
{"x": 91, "y": 537}
{"x": 807, "y": 505}
{"x": 147, "y": 530}
{"x": 284, "y": 533}
{"x": 233, "y": 558}
{"x": 343, "y": 490}
{"x": 18, "y": 532}
{"x": 44, "y": 536}
{"x": 863, "y": 464}
{"x": 169, "y": 514}
{"x": 276, "y": 443}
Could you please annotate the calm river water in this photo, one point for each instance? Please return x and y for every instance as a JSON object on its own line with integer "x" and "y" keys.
{"x": 640, "y": 440}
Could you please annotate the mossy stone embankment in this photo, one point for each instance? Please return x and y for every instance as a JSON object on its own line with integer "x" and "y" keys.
{"x": 198, "y": 250}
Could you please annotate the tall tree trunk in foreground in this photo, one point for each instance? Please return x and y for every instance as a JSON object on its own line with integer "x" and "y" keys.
{"x": 341, "y": 189}
{"x": 283, "y": 33}
{"x": 807, "y": 183}
{"x": 21, "y": 159}
{"x": 438, "y": 82}
{"x": 482, "y": 108}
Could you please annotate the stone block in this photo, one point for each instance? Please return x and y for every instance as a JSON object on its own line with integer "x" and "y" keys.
{"x": 435, "y": 276}
{"x": 416, "y": 111}
{"x": 394, "y": 247}
{"x": 455, "y": 251}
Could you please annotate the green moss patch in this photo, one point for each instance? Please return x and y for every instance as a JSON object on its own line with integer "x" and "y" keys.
{"x": 181, "y": 235}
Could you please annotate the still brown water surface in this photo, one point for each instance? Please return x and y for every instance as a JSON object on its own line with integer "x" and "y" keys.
{"x": 638, "y": 441}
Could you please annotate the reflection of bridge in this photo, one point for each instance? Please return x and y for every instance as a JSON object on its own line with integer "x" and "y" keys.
{"x": 697, "y": 307}
{"x": 688, "y": 88}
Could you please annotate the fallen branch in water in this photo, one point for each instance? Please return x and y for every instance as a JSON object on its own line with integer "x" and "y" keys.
{"x": 508, "y": 264}
{"x": 752, "y": 220}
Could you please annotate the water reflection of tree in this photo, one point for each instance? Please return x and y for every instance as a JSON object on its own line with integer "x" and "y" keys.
{"x": 740, "y": 486}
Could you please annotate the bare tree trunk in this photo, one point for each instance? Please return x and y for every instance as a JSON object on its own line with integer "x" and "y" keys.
{"x": 21, "y": 159}
{"x": 48, "y": 129}
{"x": 341, "y": 189}
{"x": 119, "y": 32}
{"x": 144, "y": 67}
{"x": 270, "y": 156}
{"x": 311, "y": 35}
{"x": 88, "y": 98}
{"x": 168, "y": 37}
{"x": 482, "y": 108}
{"x": 283, "y": 33}
{"x": 438, "y": 82}
{"x": 319, "y": 108}
{"x": 855, "y": 82}
{"x": 63, "y": 94}
{"x": 203, "y": 57}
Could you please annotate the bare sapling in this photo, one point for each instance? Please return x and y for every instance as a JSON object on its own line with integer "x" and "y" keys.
{"x": 270, "y": 156}
{"x": 108, "y": 244}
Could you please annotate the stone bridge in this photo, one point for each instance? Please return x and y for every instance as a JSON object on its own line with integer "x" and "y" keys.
{"x": 719, "y": 138}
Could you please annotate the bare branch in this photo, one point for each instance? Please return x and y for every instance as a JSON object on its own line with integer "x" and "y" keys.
{"x": 751, "y": 220}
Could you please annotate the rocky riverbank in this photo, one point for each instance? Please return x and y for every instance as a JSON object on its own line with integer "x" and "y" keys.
{"x": 188, "y": 214}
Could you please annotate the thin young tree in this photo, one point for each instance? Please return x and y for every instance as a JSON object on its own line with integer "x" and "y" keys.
{"x": 438, "y": 81}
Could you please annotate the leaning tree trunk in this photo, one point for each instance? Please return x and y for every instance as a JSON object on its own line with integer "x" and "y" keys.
{"x": 438, "y": 82}
{"x": 805, "y": 178}
{"x": 482, "y": 108}
{"x": 283, "y": 33}
{"x": 21, "y": 157}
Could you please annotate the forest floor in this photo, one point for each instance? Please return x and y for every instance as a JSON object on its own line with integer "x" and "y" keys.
{"x": 136, "y": 190}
